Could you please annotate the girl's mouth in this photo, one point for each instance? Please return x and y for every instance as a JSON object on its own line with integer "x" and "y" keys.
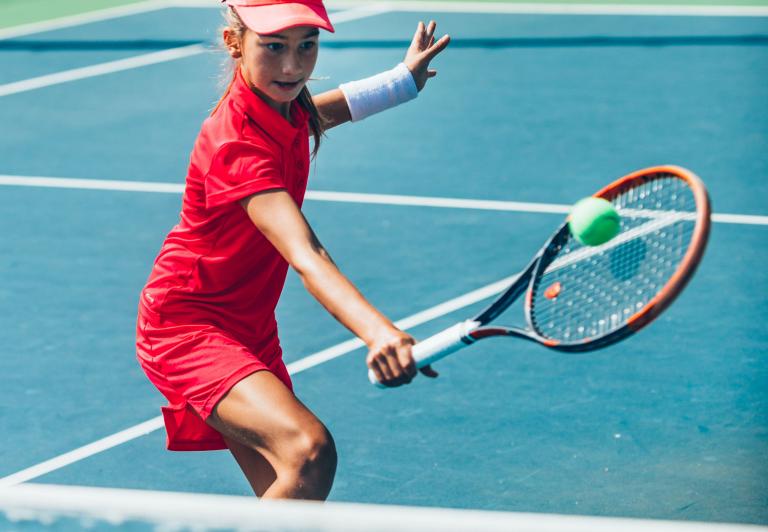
{"x": 287, "y": 85}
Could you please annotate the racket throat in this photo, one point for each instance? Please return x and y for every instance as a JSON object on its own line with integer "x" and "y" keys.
{"x": 465, "y": 329}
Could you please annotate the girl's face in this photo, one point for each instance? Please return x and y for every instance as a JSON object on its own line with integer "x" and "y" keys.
{"x": 276, "y": 65}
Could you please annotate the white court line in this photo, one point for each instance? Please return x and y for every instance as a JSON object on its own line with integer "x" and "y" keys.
{"x": 63, "y": 460}
{"x": 581, "y": 9}
{"x": 424, "y": 201}
{"x": 343, "y": 197}
{"x": 101, "y": 69}
{"x": 150, "y": 59}
{"x": 298, "y": 366}
{"x": 91, "y": 184}
{"x": 524, "y": 8}
{"x": 356, "y": 11}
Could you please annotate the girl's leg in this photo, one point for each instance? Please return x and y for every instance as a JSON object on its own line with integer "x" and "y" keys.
{"x": 267, "y": 423}
{"x": 259, "y": 472}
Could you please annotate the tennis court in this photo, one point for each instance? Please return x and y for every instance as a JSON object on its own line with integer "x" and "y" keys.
{"x": 534, "y": 107}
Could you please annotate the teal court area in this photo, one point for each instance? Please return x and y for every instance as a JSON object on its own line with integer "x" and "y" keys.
{"x": 535, "y": 108}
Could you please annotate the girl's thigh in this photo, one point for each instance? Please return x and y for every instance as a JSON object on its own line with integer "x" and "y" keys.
{"x": 260, "y": 412}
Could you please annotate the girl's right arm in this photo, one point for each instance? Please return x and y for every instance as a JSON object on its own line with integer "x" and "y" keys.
{"x": 278, "y": 217}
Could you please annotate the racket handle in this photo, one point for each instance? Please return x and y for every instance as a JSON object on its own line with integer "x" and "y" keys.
{"x": 436, "y": 347}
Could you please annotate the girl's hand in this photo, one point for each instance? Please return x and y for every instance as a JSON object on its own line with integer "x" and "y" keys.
{"x": 422, "y": 50}
{"x": 391, "y": 359}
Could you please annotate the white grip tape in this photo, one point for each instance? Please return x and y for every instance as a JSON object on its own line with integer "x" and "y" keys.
{"x": 438, "y": 346}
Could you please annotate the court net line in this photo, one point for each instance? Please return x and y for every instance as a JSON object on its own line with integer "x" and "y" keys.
{"x": 343, "y": 197}
{"x": 192, "y": 511}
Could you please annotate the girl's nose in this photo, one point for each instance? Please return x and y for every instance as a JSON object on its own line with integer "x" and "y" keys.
{"x": 292, "y": 65}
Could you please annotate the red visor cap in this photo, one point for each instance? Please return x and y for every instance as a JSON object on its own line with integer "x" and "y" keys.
{"x": 271, "y": 16}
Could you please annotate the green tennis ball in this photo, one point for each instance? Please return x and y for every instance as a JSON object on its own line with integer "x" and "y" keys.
{"x": 594, "y": 221}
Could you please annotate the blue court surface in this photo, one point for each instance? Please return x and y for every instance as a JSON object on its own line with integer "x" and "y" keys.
{"x": 527, "y": 107}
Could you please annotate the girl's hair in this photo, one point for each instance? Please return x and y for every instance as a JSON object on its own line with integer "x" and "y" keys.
{"x": 316, "y": 120}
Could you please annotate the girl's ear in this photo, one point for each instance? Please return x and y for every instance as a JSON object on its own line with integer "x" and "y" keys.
{"x": 232, "y": 42}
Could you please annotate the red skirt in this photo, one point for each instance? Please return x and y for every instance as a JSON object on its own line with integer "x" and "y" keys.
{"x": 194, "y": 367}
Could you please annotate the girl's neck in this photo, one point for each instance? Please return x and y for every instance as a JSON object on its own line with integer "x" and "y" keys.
{"x": 283, "y": 108}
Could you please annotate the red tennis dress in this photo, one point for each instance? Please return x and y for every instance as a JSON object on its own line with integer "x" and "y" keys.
{"x": 207, "y": 313}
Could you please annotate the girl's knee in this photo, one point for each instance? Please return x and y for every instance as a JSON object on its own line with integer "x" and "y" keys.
{"x": 313, "y": 450}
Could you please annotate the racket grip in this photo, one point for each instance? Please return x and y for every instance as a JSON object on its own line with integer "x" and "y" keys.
{"x": 436, "y": 347}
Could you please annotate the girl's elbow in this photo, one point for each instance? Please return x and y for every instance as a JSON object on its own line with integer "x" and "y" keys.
{"x": 301, "y": 267}
{"x": 307, "y": 265}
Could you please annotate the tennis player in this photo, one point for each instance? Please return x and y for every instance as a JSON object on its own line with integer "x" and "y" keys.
{"x": 206, "y": 332}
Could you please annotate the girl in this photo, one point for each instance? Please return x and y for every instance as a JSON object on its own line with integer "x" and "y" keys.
{"x": 206, "y": 334}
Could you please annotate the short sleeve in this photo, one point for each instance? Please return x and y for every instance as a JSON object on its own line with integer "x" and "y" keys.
{"x": 239, "y": 169}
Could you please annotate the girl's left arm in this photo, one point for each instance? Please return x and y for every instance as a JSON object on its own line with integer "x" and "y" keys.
{"x": 333, "y": 107}
{"x": 332, "y": 104}
{"x": 278, "y": 218}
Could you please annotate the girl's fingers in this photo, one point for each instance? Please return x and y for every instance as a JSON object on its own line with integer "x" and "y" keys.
{"x": 405, "y": 358}
{"x": 392, "y": 362}
{"x": 429, "y": 372}
{"x": 418, "y": 37}
{"x": 390, "y": 378}
{"x": 384, "y": 369}
{"x": 399, "y": 376}
{"x": 431, "y": 73}
{"x": 438, "y": 47}
{"x": 431, "y": 28}
{"x": 376, "y": 371}
{"x": 384, "y": 374}
{"x": 429, "y": 35}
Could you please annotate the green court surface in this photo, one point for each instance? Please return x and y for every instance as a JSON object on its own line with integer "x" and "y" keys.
{"x": 16, "y": 12}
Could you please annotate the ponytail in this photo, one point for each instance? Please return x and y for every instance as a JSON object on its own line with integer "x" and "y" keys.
{"x": 316, "y": 120}
{"x": 226, "y": 92}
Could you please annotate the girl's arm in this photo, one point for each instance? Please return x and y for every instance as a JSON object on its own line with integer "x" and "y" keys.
{"x": 278, "y": 217}
{"x": 333, "y": 105}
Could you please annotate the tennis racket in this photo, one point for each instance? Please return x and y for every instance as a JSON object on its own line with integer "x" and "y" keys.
{"x": 580, "y": 298}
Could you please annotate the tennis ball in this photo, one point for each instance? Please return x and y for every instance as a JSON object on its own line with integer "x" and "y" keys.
{"x": 593, "y": 221}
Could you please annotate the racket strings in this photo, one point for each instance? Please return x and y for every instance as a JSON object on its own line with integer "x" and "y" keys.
{"x": 587, "y": 292}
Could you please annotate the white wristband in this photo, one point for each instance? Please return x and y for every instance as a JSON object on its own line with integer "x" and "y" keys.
{"x": 380, "y": 92}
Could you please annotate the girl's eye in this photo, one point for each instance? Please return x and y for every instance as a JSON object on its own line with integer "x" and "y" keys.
{"x": 308, "y": 45}
{"x": 274, "y": 46}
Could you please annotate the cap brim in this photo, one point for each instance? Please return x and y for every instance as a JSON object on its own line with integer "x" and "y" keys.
{"x": 276, "y": 17}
